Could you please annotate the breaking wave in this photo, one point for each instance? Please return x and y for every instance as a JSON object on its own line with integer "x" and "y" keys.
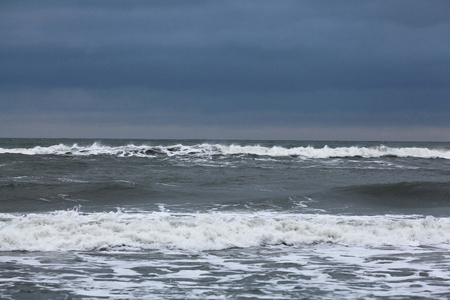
{"x": 72, "y": 230}
{"x": 207, "y": 149}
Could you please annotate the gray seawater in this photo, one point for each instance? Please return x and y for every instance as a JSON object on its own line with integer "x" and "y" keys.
{"x": 189, "y": 219}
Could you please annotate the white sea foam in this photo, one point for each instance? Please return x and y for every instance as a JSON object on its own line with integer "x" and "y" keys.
{"x": 327, "y": 152}
{"x": 218, "y": 149}
{"x": 72, "y": 230}
{"x": 337, "y": 272}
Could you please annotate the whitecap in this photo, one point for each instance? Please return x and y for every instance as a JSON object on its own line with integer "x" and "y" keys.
{"x": 207, "y": 150}
{"x": 73, "y": 230}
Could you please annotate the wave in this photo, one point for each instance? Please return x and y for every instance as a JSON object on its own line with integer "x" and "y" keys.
{"x": 73, "y": 230}
{"x": 206, "y": 149}
{"x": 401, "y": 194}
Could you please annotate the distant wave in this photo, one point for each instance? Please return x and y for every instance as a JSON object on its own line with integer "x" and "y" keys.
{"x": 72, "y": 230}
{"x": 206, "y": 149}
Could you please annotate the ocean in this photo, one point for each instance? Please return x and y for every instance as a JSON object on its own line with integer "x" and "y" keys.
{"x": 204, "y": 219}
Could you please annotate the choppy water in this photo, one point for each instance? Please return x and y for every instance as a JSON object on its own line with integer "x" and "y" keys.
{"x": 223, "y": 219}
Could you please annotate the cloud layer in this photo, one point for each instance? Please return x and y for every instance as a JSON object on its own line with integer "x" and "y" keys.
{"x": 226, "y": 69}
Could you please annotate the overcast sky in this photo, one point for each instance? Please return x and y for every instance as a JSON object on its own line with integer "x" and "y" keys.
{"x": 352, "y": 70}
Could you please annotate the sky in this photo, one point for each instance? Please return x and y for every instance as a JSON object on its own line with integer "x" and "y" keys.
{"x": 247, "y": 69}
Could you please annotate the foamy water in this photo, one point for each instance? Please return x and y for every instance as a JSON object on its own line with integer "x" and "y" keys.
{"x": 71, "y": 230}
{"x": 318, "y": 271}
{"x": 218, "y": 149}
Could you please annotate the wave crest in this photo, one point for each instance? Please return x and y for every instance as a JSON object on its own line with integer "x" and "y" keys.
{"x": 206, "y": 149}
{"x": 72, "y": 230}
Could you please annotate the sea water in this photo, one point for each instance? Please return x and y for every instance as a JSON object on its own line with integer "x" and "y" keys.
{"x": 187, "y": 219}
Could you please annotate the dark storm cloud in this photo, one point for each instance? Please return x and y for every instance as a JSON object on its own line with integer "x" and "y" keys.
{"x": 278, "y": 62}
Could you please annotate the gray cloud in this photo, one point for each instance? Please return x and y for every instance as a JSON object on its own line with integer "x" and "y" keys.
{"x": 252, "y": 63}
